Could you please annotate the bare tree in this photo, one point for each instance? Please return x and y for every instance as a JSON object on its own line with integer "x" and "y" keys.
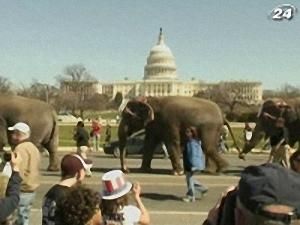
{"x": 67, "y": 102}
{"x": 289, "y": 91}
{"x": 227, "y": 95}
{"x": 77, "y": 83}
{"x": 42, "y": 91}
{"x": 5, "y": 86}
{"x": 118, "y": 99}
{"x": 97, "y": 102}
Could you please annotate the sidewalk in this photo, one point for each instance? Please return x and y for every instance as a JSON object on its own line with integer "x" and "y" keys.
{"x": 254, "y": 150}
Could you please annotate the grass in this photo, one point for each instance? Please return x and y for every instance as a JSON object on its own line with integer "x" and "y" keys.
{"x": 66, "y": 135}
{"x": 108, "y": 114}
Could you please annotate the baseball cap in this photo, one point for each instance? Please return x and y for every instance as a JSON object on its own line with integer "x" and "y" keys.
{"x": 20, "y": 126}
{"x": 72, "y": 163}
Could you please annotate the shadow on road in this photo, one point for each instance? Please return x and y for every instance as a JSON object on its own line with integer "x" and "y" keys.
{"x": 160, "y": 197}
{"x": 134, "y": 170}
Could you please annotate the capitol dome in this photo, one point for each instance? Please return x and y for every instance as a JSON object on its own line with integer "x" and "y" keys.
{"x": 160, "y": 62}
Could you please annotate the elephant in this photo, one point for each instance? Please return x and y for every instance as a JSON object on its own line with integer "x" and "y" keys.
{"x": 165, "y": 120}
{"x": 270, "y": 111}
{"x": 41, "y": 118}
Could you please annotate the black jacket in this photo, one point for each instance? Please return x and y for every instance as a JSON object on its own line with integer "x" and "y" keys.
{"x": 82, "y": 137}
{"x": 279, "y": 134}
{"x": 11, "y": 201}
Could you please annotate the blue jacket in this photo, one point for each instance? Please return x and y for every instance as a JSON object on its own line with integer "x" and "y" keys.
{"x": 11, "y": 201}
{"x": 193, "y": 157}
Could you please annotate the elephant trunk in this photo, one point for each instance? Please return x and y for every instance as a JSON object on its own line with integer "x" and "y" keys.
{"x": 122, "y": 135}
{"x": 257, "y": 135}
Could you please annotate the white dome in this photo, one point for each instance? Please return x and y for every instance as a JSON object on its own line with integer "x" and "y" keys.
{"x": 160, "y": 62}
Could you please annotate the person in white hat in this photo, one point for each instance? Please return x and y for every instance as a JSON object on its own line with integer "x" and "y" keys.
{"x": 29, "y": 169}
{"x": 114, "y": 205}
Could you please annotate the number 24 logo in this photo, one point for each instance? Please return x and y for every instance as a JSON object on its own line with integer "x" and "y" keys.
{"x": 284, "y": 11}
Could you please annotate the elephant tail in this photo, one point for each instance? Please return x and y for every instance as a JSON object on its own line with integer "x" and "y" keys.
{"x": 226, "y": 123}
{"x": 54, "y": 126}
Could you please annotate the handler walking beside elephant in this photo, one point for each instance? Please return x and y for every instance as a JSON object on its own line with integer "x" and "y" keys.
{"x": 279, "y": 147}
{"x": 193, "y": 160}
{"x": 29, "y": 169}
{"x": 81, "y": 136}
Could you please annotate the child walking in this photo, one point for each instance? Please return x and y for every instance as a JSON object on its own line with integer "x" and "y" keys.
{"x": 193, "y": 160}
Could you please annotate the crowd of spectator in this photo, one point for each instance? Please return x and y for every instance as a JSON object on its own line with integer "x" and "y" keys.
{"x": 266, "y": 194}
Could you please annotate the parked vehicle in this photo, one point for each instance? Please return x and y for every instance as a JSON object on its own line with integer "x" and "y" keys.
{"x": 134, "y": 146}
{"x": 67, "y": 118}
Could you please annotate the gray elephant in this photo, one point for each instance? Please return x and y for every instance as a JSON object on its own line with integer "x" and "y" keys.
{"x": 164, "y": 120}
{"x": 267, "y": 116}
{"x": 41, "y": 118}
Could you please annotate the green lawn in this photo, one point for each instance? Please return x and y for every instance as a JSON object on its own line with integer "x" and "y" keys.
{"x": 66, "y": 135}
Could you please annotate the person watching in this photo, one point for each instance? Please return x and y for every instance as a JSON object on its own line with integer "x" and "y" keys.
{"x": 29, "y": 169}
{"x": 72, "y": 172}
{"x": 81, "y": 136}
{"x": 267, "y": 194}
{"x": 11, "y": 200}
{"x": 79, "y": 207}
{"x": 114, "y": 206}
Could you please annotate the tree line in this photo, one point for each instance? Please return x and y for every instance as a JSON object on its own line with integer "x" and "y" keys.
{"x": 231, "y": 100}
{"x": 75, "y": 92}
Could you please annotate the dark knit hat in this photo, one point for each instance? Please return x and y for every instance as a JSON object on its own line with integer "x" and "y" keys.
{"x": 72, "y": 164}
{"x": 269, "y": 184}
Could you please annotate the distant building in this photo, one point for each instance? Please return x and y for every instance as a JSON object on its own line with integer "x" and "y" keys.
{"x": 250, "y": 92}
{"x": 161, "y": 79}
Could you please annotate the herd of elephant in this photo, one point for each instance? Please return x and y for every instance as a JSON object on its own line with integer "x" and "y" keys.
{"x": 164, "y": 120}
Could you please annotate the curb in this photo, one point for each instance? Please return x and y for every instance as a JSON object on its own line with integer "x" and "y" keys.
{"x": 255, "y": 151}
{"x": 73, "y": 149}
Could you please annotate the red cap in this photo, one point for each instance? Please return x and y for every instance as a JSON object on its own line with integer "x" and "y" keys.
{"x": 72, "y": 164}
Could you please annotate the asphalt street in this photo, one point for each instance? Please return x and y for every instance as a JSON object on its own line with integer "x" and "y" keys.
{"x": 161, "y": 192}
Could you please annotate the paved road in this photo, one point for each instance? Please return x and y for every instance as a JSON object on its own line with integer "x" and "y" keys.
{"x": 162, "y": 192}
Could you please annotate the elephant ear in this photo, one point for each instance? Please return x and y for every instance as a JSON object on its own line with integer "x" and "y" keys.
{"x": 268, "y": 110}
{"x": 277, "y": 108}
{"x": 139, "y": 110}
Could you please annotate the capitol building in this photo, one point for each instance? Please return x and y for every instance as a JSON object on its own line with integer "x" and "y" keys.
{"x": 161, "y": 79}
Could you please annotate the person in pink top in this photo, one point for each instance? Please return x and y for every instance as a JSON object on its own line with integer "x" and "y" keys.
{"x": 96, "y": 134}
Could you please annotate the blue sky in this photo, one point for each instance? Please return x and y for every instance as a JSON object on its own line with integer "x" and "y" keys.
{"x": 211, "y": 40}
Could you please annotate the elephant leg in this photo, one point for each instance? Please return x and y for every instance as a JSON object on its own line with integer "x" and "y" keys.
{"x": 52, "y": 147}
{"x": 123, "y": 161}
{"x": 172, "y": 142}
{"x": 149, "y": 147}
{"x": 175, "y": 157}
{"x": 211, "y": 166}
{"x": 215, "y": 162}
